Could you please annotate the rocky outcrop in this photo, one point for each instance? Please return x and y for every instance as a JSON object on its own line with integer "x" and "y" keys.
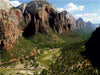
{"x": 8, "y": 30}
{"x": 44, "y": 18}
{"x": 39, "y": 16}
{"x": 71, "y": 20}
{"x": 31, "y": 18}
{"x": 80, "y": 23}
{"x": 10, "y": 19}
{"x": 22, "y": 7}
{"x": 5, "y": 5}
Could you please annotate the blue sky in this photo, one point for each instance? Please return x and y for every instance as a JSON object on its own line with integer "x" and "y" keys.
{"x": 89, "y": 10}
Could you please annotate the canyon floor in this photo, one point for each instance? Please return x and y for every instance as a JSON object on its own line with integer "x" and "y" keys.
{"x": 62, "y": 55}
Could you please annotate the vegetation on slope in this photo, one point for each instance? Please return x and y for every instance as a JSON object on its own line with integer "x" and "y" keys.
{"x": 70, "y": 47}
{"x": 72, "y": 62}
{"x": 39, "y": 41}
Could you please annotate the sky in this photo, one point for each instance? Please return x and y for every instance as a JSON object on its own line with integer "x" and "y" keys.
{"x": 89, "y": 10}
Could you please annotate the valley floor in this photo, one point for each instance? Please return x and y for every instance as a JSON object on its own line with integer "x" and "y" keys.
{"x": 53, "y": 56}
{"x": 43, "y": 60}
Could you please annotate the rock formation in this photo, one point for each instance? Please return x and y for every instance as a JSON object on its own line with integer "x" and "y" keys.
{"x": 5, "y": 5}
{"x": 22, "y": 7}
{"x": 9, "y": 21}
{"x": 8, "y": 30}
{"x": 91, "y": 25}
{"x": 31, "y": 18}
{"x": 41, "y": 16}
{"x": 70, "y": 19}
{"x": 80, "y": 23}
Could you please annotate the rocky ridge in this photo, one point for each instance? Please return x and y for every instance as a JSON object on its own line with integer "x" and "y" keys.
{"x": 80, "y": 23}
{"x": 70, "y": 19}
{"x": 91, "y": 25}
{"x": 43, "y": 17}
{"x": 31, "y": 18}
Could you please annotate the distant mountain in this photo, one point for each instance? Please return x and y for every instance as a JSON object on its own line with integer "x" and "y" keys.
{"x": 96, "y": 25}
{"x": 80, "y": 23}
{"x": 77, "y": 24}
{"x": 91, "y": 25}
{"x": 80, "y": 19}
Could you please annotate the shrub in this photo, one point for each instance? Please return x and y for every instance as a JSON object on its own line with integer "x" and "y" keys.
{"x": 44, "y": 72}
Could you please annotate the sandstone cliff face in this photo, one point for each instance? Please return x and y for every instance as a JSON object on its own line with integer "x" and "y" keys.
{"x": 9, "y": 31}
{"x": 37, "y": 16}
{"x": 43, "y": 17}
{"x": 5, "y": 5}
{"x": 71, "y": 20}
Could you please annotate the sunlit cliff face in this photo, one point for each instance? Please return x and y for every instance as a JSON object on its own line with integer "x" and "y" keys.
{"x": 5, "y": 5}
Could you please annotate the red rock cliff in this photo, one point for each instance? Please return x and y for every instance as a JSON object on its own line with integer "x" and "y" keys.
{"x": 9, "y": 31}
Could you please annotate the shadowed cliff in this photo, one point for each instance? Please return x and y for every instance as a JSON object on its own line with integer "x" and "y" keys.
{"x": 93, "y": 48}
{"x": 29, "y": 30}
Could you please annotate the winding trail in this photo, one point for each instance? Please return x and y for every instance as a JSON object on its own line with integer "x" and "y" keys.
{"x": 46, "y": 58}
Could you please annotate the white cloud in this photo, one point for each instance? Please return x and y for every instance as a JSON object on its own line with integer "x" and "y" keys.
{"x": 93, "y": 17}
{"x": 72, "y": 7}
{"x": 15, "y": 3}
{"x": 60, "y": 9}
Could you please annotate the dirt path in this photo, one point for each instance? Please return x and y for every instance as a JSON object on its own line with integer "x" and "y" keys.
{"x": 46, "y": 58}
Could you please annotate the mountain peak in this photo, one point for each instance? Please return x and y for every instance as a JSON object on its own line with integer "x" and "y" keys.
{"x": 80, "y": 19}
{"x": 5, "y": 5}
{"x": 64, "y": 12}
{"x": 40, "y": 0}
{"x": 89, "y": 22}
{"x": 91, "y": 25}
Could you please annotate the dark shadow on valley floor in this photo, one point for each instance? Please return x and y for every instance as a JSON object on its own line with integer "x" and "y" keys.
{"x": 93, "y": 48}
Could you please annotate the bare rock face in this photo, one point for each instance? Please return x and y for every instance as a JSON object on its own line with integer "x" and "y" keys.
{"x": 91, "y": 25}
{"x": 40, "y": 16}
{"x": 71, "y": 20}
{"x": 50, "y": 18}
{"x": 22, "y": 7}
{"x": 16, "y": 16}
{"x": 9, "y": 31}
{"x": 5, "y": 5}
{"x": 10, "y": 19}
